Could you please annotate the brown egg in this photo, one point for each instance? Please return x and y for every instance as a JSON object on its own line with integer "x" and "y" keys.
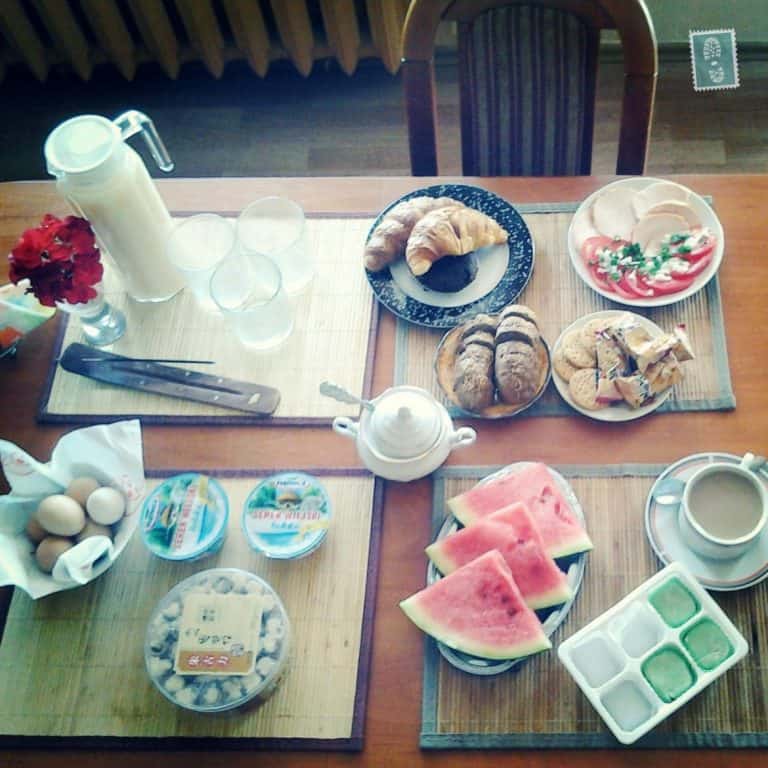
{"x": 61, "y": 515}
{"x": 81, "y": 488}
{"x": 49, "y": 550}
{"x": 35, "y": 531}
{"x": 93, "y": 529}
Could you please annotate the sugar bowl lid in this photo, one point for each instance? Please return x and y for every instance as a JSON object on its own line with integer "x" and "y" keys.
{"x": 406, "y": 422}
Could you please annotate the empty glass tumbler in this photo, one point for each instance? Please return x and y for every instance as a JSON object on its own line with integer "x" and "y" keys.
{"x": 196, "y": 246}
{"x": 276, "y": 227}
{"x": 247, "y": 288}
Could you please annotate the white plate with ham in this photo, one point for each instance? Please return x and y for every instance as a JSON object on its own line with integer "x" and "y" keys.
{"x": 645, "y": 242}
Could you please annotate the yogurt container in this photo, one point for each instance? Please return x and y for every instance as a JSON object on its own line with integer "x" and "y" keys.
{"x": 217, "y": 641}
{"x": 287, "y": 515}
{"x": 185, "y": 517}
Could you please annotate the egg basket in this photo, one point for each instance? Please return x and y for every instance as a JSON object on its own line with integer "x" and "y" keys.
{"x": 112, "y": 454}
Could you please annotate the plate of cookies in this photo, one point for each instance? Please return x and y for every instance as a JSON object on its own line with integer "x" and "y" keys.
{"x": 438, "y": 256}
{"x": 618, "y": 366}
{"x": 494, "y": 366}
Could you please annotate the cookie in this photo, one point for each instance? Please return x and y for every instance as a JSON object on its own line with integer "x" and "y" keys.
{"x": 583, "y": 389}
{"x": 575, "y": 352}
{"x": 561, "y": 365}
{"x": 589, "y": 331}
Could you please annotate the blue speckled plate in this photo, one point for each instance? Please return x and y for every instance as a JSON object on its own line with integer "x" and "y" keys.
{"x": 509, "y": 287}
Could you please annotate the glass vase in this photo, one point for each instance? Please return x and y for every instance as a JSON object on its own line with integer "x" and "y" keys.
{"x": 100, "y": 321}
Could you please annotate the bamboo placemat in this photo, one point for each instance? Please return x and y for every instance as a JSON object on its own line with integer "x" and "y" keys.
{"x": 335, "y": 313}
{"x": 538, "y": 705}
{"x": 72, "y": 664}
{"x": 558, "y": 296}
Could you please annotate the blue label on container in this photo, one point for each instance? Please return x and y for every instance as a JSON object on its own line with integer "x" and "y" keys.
{"x": 185, "y": 517}
{"x": 287, "y": 515}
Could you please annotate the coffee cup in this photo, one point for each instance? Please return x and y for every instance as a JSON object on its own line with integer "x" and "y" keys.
{"x": 724, "y": 509}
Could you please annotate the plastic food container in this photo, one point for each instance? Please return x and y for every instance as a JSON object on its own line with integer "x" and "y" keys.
{"x": 185, "y": 517}
{"x": 287, "y": 515}
{"x": 217, "y": 641}
{"x": 653, "y": 651}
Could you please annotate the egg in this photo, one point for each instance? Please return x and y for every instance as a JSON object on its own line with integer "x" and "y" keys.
{"x": 50, "y": 550}
{"x": 94, "y": 529}
{"x": 35, "y": 531}
{"x": 81, "y": 488}
{"x": 61, "y": 515}
{"x": 105, "y": 506}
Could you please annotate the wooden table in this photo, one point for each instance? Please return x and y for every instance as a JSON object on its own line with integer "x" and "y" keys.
{"x": 393, "y": 716}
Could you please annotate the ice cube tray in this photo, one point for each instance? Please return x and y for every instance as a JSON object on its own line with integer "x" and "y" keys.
{"x": 652, "y": 652}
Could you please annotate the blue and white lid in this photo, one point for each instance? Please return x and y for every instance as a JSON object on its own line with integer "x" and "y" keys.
{"x": 287, "y": 515}
{"x": 185, "y": 517}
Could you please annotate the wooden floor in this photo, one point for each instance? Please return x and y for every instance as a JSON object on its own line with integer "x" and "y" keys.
{"x": 332, "y": 124}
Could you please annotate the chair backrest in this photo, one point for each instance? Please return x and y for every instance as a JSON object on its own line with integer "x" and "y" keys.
{"x": 527, "y": 75}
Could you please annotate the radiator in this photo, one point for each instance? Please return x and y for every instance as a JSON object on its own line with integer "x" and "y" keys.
{"x": 84, "y": 34}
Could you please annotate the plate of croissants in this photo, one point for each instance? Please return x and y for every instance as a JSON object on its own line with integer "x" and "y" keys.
{"x": 440, "y": 255}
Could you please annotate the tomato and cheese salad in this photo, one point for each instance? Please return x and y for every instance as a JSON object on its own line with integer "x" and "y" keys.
{"x": 641, "y": 244}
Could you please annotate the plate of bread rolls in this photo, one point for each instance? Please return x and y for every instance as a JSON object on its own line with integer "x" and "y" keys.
{"x": 494, "y": 366}
{"x": 440, "y": 255}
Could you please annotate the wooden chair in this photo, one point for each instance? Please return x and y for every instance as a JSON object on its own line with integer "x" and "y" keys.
{"x": 527, "y": 74}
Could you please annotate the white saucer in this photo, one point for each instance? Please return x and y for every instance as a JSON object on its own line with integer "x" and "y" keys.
{"x": 664, "y": 536}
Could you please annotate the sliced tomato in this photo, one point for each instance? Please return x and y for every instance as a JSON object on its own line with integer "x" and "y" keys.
{"x": 590, "y": 246}
{"x": 665, "y": 287}
{"x": 631, "y": 284}
{"x": 619, "y": 289}
{"x": 704, "y": 248}
{"x": 694, "y": 268}
{"x": 601, "y": 280}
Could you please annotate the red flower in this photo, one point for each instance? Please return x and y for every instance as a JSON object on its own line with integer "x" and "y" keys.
{"x": 60, "y": 259}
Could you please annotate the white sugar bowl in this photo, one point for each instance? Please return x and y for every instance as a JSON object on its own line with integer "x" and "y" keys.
{"x": 406, "y": 434}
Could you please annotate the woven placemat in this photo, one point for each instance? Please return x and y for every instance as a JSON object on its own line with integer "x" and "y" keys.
{"x": 335, "y": 313}
{"x": 72, "y": 664}
{"x": 538, "y": 704}
{"x": 558, "y": 296}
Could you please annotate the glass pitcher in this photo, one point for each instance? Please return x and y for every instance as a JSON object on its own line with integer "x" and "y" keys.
{"x": 106, "y": 181}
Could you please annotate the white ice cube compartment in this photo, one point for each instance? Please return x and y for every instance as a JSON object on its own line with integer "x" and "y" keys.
{"x": 598, "y": 659}
{"x": 637, "y": 629}
{"x": 609, "y": 697}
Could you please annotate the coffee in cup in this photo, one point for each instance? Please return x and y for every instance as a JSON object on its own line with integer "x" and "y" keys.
{"x": 724, "y": 509}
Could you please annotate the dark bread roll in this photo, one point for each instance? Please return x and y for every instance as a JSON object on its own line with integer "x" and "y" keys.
{"x": 481, "y": 322}
{"x": 519, "y": 310}
{"x": 483, "y": 338}
{"x": 514, "y": 328}
{"x": 516, "y": 371}
{"x": 473, "y": 377}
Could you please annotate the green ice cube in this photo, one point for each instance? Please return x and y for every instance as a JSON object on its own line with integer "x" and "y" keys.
{"x": 707, "y": 643}
{"x": 669, "y": 673}
{"x": 674, "y": 603}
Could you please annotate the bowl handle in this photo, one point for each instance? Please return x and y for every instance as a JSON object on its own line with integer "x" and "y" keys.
{"x": 345, "y": 426}
{"x": 463, "y": 436}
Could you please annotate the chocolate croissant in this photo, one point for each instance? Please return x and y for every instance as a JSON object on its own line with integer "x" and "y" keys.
{"x": 388, "y": 240}
{"x": 450, "y": 232}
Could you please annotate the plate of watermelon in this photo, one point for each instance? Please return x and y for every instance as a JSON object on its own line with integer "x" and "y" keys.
{"x": 511, "y": 554}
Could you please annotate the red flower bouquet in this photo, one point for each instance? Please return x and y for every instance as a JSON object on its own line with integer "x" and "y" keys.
{"x": 60, "y": 259}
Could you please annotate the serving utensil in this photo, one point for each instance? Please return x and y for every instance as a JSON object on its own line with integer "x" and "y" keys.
{"x": 329, "y": 389}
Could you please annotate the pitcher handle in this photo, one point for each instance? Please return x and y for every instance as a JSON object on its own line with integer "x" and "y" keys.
{"x": 463, "y": 436}
{"x": 345, "y": 426}
{"x": 133, "y": 122}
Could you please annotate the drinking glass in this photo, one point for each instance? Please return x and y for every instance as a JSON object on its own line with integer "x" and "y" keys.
{"x": 276, "y": 227}
{"x": 247, "y": 287}
{"x": 196, "y": 245}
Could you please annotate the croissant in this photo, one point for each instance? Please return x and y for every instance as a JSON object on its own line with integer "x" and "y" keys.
{"x": 387, "y": 241}
{"x": 450, "y": 232}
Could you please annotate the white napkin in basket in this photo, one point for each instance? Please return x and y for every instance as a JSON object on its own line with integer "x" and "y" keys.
{"x": 112, "y": 453}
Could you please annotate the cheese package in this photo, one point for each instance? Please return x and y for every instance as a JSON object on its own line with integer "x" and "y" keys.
{"x": 635, "y": 389}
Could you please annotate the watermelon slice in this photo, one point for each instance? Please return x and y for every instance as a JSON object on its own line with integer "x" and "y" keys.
{"x": 478, "y": 609}
{"x": 512, "y": 532}
{"x": 560, "y": 530}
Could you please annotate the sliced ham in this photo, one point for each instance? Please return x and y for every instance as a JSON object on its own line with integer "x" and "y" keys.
{"x": 658, "y": 192}
{"x": 612, "y": 212}
{"x": 654, "y": 227}
{"x": 679, "y": 209}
